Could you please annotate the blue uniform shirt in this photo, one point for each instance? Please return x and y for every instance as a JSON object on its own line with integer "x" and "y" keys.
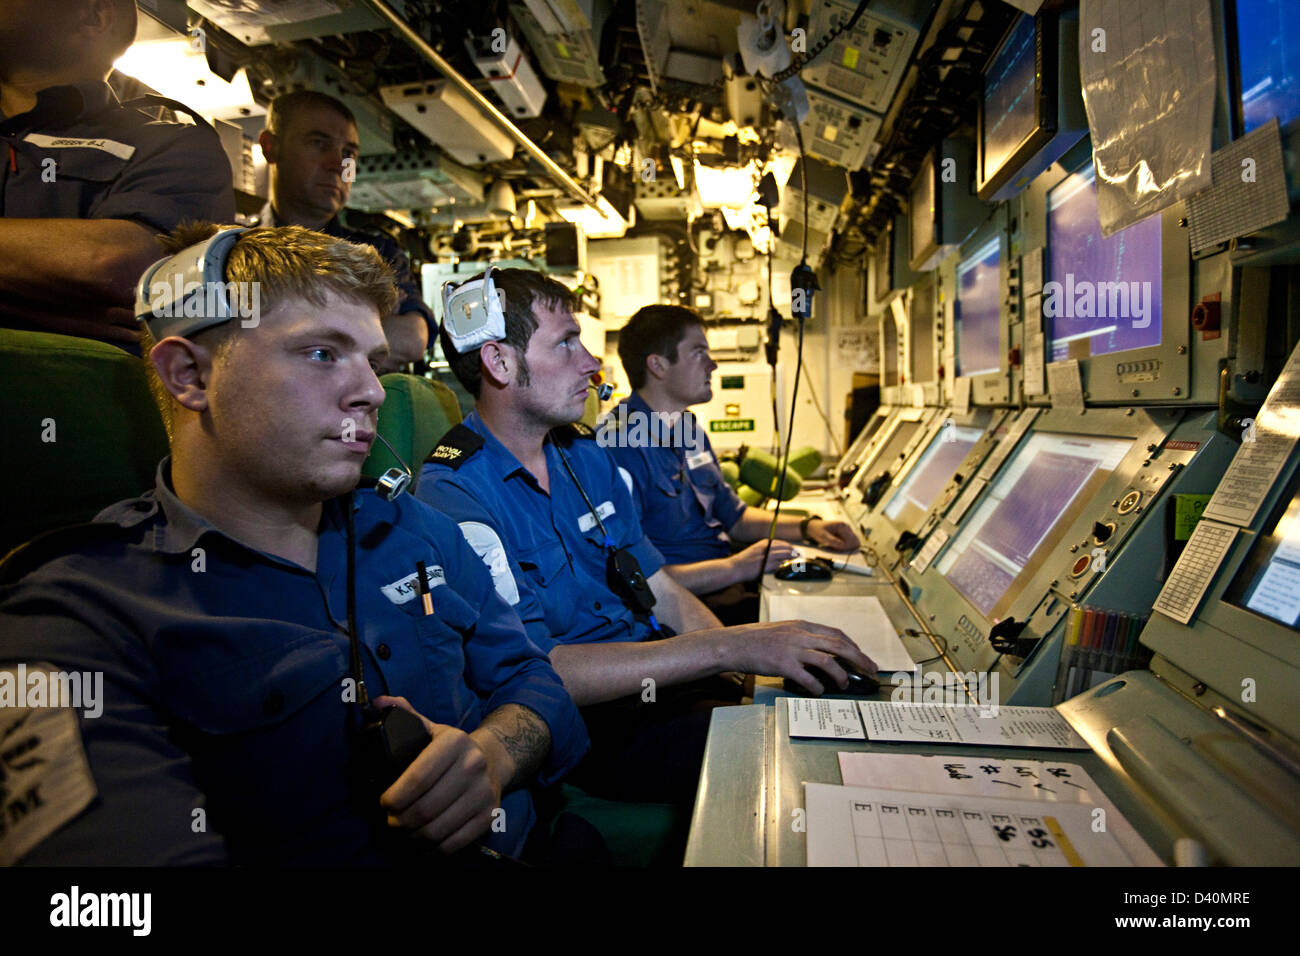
{"x": 224, "y": 683}
{"x": 79, "y": 154}
{"x": 545, "y": 550}
{"x": 681, "y": 495}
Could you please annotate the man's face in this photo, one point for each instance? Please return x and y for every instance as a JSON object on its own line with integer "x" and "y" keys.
{"x": 689, "y": 380}
{"x": 559, "y": 369}
{"x": 309, "y": 157}
{"x": 293, "y": 403}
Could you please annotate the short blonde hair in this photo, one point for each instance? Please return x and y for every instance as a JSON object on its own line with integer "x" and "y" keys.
{"x": 287, "y": 262}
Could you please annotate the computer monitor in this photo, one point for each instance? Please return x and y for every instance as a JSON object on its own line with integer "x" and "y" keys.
{"x": 921, "y": 340}
{"x": 977, "y": 314}
{"x": 1104, "y": 295}
{"x": 926, "y": 480}
{"x": 1268, "y": 581}
{"x": 875, "y": 476}
{"x": 882, "y": 262}
{"x": 1022, "y": 515}
{"x": 1031, "y": 110}
{"x": 922, "y": 218}
{"x": 1268, "y": 59}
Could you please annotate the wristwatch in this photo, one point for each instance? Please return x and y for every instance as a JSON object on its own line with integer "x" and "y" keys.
{"x": 803, "y": 527}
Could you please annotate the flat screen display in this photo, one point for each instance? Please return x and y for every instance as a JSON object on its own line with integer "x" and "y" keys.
{"x": 1104, "y": 294}
{"x": 931, "y": 474}
{"x": 882, "y": 265}
{"x": 921, "y": 206}
{"x": 978, "y": 315}
{"x": 889, "y": 454}
{"x": 1268, "y": 581}
{"x": 1268, "y": 49}
{"x": 1010, "y": 99}
{"x": 1024, "y": 514}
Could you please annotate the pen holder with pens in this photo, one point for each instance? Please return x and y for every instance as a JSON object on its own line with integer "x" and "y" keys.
{"x": 1099, "y": 644}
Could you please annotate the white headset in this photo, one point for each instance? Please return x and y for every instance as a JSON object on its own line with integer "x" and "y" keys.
{"x": 473, "y": 312}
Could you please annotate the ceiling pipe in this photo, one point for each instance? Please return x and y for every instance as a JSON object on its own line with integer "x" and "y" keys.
{"x": 417, "y": 42}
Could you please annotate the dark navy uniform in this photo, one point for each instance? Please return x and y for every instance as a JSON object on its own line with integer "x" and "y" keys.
{"x": 682, "y": 497}
{"x": 546, "y": 551}
{"x": 227, "y": 709}
{"x": 79, "y": 154}
{"x": 408, "y": 289}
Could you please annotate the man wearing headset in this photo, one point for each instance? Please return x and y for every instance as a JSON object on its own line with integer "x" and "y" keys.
{"x": 230, "y": 611}
{"x": 544, "y": 506}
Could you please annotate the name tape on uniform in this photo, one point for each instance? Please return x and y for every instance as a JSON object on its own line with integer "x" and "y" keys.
{"x": 120, "y": 150}
{"x": 588, "y": 521}
{"x": 405, "y": 589}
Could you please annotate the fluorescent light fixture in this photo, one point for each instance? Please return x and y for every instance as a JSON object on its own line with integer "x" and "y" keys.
{"x": 176, "y": 70}
{"x": 679, "y": 171}
{"x": 724, "y": 186}
{"x": 601, "y": 223}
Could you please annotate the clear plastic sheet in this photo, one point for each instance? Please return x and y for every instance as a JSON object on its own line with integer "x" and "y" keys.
{"x": 1148, "y": 73}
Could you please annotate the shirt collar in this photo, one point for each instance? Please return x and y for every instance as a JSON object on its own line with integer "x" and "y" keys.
{"x": 58, "y": 106}
{"x": 635, "y": 403}
{"x": 267, "y": 217}
{"x": 500, "y": 458}
{"x": 182, "y": 526}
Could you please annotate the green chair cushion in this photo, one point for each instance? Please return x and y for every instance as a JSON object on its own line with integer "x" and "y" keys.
{"x": 416, "y": 413}
{"x": 81, "y": 431}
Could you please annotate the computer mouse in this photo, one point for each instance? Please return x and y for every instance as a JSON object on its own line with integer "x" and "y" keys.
{"x": 805, "y": 569}
{"x": 860, "y": 684}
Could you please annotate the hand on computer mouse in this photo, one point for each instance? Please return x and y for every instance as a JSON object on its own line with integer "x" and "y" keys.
{"x": 857, "y": 682}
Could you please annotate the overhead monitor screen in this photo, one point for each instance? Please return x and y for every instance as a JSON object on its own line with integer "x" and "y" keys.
{"x": 889, "y": 454}
{"x": 921, "y": 341}
{"x": 921, "y": 207}
{"x": 979, "y": 310}
{"x": 1268, "y": 581}
{"x": 1104, "y": 294}
{"x": 1024, "y": 514}
{"x": 1010, "y": 104}
{"x": 931, "y": 474}
{"x": 881, "y": 265}
{"x": 1268, "y": 49}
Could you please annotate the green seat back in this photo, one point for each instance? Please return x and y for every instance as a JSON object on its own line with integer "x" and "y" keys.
{"x": 81, "y": 431}
{"x": 415, "y": 414}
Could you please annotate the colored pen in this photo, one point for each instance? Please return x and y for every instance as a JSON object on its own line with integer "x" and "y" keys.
{"x": 425, "y": 597}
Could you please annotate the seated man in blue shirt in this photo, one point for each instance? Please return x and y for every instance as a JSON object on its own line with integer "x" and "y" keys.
{"x": 544, "y": 506}
{"x": 689, "y": 511}
{"x": 231, "y": 620}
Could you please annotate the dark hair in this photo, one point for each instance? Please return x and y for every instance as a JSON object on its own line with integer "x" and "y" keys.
{"x": 287, "y": 105}
{"x": 653, "y": 330}
{"x": 522, "y": 288}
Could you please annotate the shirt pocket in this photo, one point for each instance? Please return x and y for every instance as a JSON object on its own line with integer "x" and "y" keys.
{"x": 546, "y": 566}
{"x": 273, "y": 672}
{"x": 87, "y": 172}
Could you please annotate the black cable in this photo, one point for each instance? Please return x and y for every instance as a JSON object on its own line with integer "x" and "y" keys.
{"x": 821, "y": 45}
{"x": 354, "y": 640}
{"x": 783, "y": 462}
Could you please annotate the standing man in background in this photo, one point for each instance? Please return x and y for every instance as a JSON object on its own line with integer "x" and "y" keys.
{"x": 311, "y": 144}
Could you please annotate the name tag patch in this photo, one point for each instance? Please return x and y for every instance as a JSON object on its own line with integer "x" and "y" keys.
{"x": 588, "y": 521}
{"x": 111, "y": 146}
{"x": 406, "y": 589}
{"x": 698, "y": 460}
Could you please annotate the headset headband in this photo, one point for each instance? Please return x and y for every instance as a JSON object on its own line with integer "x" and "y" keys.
{"x": 473, "y": 312}
{"x": 187, "y": 292}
